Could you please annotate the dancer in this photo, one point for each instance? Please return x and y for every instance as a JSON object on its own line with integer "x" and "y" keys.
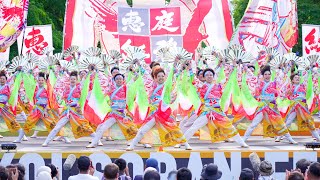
{"x": 72, "y": 113}
{"x": 267, "y": 109}
{"x": 5, "y": 112}
{"x": 159, "y": 115}
{"x": 118, "y": 114}
{"x": 248, "y": 84}
{"x": 188, "y": 101}
{"x": 296, "y": 92}
{"x": 40, "y": 112}
{"x": 211, "y": 114}
{"x": 114, "y": 71}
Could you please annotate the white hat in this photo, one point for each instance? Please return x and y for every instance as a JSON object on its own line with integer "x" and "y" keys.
{"x": 44, "y": 175}
{"x": 43, "y": 169}
{"x": 149, "y": 169}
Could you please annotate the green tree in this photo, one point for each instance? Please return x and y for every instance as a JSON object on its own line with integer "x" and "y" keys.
{"x": 239, "y": 9}
{"x": 308, "y": 13}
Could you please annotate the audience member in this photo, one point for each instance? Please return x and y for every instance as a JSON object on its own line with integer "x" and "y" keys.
{"x": 22, "y": 171}
{"x": 3, "y": 173}
{"x": 294, "y": 175}
{"x": 86, "y": 170}
{"x": 43, "y": 173}
{"x": 210, "y": 172}
{"x": 123, "y": 169}
{"x": 151, "y": 162}
{"x": 149, "y": 169}
{"x": 246, "y": 174}
{"x": 111, "y": 172}
{"x": 313, "y": 172}
{"x": 54, "y": 171}
{"x": 265, "y": 171}
{"x": 184, "y": 174}
{"x": 13, "y": 172}
{"x": 172, "y": 175}
{"x": 151, "y": 175}
{"x": 303, "y": 164}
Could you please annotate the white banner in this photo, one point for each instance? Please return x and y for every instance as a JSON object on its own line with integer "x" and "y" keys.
{"x": 310, "y": 39}
{"x": 35, "y": 39}
{"x": 186, "y": 23}
{"x": 4, "y": 56}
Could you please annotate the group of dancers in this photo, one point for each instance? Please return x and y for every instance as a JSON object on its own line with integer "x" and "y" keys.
{"x": 224, "y": 89}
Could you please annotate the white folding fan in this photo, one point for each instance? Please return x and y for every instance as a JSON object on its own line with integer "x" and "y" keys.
{"x": 17, "y": 63}
{"x": 31, "y": 58}
{"x": 91, "y": 62}
{"x": 277, "y": 61}
{"x": 241, "y": 55}
{"x": 92, "y": 52}
{"x": 47, "y": 50}
{"x": 210, "y": 53}
{"x": 313, "y": 59}
{"x": 70, "y": 51}
{"x": 46, "y": 62}
{"x": 68, "y": 65}
{"x": 58, "y": 56}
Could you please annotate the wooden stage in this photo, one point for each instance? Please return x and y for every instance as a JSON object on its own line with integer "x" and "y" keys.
{"x": 256, "y": 143}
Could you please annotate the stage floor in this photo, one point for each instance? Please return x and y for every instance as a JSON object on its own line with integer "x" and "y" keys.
{"x": 256, "y": 143}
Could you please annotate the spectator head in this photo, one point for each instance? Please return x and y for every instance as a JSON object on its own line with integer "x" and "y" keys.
{"x": 11, "y": 168}
{"x": 54, "y": 170}
{"x": 265, "y": 168}
{"x": 151, "y": 175}
{"x": 111, "y": 172}
{"x": 313, "y": 171}
{"x": 303, "y": 164}
{"x": 210, "y": 172}
{"x": 3, "y": 173}
{"x": 22, "y": 171}
{"x": 172, "y": 175}
{"x": 184, "y": 174}
{"x": 246, "y": 174}
{"x": 296, "y": 176}
{"x": 151, "y": 162}
{"x": 121, "y": 163}
{"x": 84, "y": 164}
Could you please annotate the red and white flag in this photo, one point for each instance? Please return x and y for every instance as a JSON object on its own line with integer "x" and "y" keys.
{"x": 310, "y": 39}
{"x": 35, "y": 39}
